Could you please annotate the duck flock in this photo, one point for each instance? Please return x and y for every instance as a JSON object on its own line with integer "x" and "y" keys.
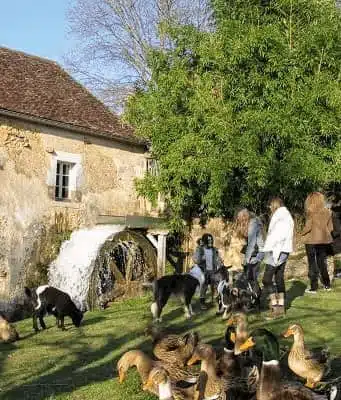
{"x": 252, "y": 365}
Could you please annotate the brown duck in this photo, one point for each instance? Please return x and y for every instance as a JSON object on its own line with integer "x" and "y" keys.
{"x": 166, "y": 390}
{"x": 144, "y": 364}
{"x": 173, "y": 349}
{"x": 239, "y": 322}
{"x": 210, "y": 385}
{"x": 301, "y": 360}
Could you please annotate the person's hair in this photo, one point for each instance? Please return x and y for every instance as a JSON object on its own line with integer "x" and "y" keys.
{"x": 314, "y": 202}
{"x": 205, "y": 237}
{"x": 241, "y": 223}
{"x": 275, "y": 203}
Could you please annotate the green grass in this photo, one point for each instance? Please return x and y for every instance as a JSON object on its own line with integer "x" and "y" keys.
{"x": 80, "y": 363}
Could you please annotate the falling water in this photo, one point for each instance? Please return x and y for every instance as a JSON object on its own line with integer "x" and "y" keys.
{"x": 73, "y": 267}
{"x": 129, "y": 260}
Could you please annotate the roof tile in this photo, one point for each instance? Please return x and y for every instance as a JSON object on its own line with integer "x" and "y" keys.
{"x": 41, "y": 88}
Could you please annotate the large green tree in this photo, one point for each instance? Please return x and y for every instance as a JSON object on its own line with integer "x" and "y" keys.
{"x": 248, "y": 110}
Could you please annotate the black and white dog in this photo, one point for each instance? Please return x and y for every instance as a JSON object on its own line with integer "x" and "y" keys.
{"x": 183, "y": 286}
{"x": 242, "y": 295}
{"x": 180, "y": 285}
{"x": 49, "y": 300}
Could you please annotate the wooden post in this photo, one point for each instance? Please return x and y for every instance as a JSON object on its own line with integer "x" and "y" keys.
{"x": 160, "y": 245}
{"x": 161, "y": 255}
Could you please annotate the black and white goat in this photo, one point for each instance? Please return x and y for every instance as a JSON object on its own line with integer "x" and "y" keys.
{"x": 242, "y": 295}
{"x": 49, "y": 300}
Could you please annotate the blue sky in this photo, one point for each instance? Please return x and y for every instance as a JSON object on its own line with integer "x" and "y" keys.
{"x": 37, "y": 27}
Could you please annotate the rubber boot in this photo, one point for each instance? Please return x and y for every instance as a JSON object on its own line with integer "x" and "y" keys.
{"x": 202, "y": 304}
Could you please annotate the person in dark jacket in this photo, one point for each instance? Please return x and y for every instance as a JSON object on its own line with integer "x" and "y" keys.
{"x": 317, "y": 236}
{"x": 207, "y": 257}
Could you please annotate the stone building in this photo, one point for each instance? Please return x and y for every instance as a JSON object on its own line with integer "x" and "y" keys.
{"x": 64, "y": 159}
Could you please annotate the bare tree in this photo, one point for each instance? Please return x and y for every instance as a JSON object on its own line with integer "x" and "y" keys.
{"x": 112, "y": 38}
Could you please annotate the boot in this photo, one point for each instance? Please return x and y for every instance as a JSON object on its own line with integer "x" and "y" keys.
{"x": 202, "y": 304}
{"x": 272, "y": 314}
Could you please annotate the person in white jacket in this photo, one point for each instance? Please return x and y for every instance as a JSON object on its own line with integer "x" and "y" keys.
{"x": 277, "y": 247}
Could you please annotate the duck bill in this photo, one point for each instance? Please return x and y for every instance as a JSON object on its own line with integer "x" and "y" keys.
{"x": 287, "y": 333}
{"x": 248, "y": 344}
{"x": 192, "y": 360}
{"x": 230, "y": 322}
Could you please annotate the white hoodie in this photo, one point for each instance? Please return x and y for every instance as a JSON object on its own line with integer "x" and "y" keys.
{"x": 280, "y": 234}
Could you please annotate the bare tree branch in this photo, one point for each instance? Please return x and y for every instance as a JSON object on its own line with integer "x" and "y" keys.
{"x": 113, "y": 37}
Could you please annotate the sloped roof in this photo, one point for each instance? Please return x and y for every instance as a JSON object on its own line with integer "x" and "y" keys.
{"x": 40, "y": 88}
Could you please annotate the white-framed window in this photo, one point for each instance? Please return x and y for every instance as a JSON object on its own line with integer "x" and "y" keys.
{"x": 63, "y": 172}
{"x": 65, "y": 175}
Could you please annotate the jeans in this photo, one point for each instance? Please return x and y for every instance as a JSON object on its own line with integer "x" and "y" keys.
{"x": 317, "y": 263}
{"x": 269, "y": 273}
{"x": 205, "y": 285}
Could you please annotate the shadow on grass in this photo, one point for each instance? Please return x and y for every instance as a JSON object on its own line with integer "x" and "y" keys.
{"x": 79, "y": 372}
{"x": 74, "y": 375}
{"x": 96, "y": 320}
{"x": 5, "y": 352}
{"x": 296, "y": 290}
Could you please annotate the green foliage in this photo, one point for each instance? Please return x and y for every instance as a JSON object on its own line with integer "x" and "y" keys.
{"x": 246, "y": 111}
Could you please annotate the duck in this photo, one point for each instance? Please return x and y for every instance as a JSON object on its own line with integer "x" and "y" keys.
{"x": 144, "y": 364}
{"x": 174, "y": 349}
{"x": 303, "y": 362}
{"x": 166, "y": 390}
{"x": 8, "y": 333}
{"x": 228, "y": 363}
{"x": 135, "y": 358}
{"x": 240, "y": 324}
{"x": 270, "y": 386}
{"x": 212, "y": 386}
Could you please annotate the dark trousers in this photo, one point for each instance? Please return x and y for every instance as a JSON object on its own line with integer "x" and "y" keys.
{"x": 271, "y": 272}
{"x": 317, "y": 263}
{"x": 206, "y": 284}
{"x": 251, "y": 271}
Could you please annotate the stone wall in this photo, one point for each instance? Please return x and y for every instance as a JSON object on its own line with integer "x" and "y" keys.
{"x": 103, "y": 183}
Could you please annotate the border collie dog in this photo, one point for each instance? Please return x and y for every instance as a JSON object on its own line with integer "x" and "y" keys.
{"x": 183, "y": 286}
{"x": 49, "y": 300}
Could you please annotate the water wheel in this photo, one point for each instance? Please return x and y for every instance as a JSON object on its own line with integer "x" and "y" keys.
{"x": 123, "y": 264}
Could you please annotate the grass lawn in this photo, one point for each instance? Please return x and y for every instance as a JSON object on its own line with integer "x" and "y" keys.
{"x": 80, "y": 363}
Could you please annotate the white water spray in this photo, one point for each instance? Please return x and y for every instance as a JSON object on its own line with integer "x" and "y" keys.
{"x": 72, "y": 269}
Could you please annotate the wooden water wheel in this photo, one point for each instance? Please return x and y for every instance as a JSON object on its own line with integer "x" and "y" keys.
{"x": 123, "y": 264}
